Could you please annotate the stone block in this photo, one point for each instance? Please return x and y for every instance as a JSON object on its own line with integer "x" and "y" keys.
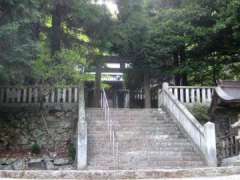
{"x": 36, "y": 164}
{"x": 61, "y": 162}
{"x": 49, "y": 164}
{"x": 19, "y": 164}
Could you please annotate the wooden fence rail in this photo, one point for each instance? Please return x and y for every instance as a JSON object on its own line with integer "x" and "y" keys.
{"x": 192, "y": 94}
{"x": 228, "y": 146}
{"x": 31, "y": 95}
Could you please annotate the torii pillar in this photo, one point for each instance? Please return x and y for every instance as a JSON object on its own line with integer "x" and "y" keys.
{"x": 97, "y": 92}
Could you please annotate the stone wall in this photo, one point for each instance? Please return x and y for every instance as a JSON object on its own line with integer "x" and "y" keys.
{"x": 53, "y": 130}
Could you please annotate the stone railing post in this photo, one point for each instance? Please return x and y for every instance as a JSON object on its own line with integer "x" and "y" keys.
{"x": 81, "y": 131}
{"x": 165, "y": 86}
{"x": 160, "y": 94}
{"x": 210, "y": 140}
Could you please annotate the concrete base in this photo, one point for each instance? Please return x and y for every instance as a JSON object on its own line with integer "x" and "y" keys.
{"x": 232, "y": 161}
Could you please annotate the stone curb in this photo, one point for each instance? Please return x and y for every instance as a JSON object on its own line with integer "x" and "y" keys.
{"x": 126, "y": 174}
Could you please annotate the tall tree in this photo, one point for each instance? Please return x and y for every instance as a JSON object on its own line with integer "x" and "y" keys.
{"x": 18, "y": 45}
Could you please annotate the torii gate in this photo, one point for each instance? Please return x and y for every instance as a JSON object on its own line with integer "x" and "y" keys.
{"x": 100, "y": 69}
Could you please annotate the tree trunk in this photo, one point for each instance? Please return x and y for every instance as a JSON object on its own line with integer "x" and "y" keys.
{"x": 147, "y": 92}
{"x": 176, "y": 64}
{"x": 179, "y": 59}
{"x": 214, "y": 74}
{"x": 182, "y": 61}
{"x": 97, "y": 93}
{"x": 36, "y": 30}
{"x": 56, "y": 29}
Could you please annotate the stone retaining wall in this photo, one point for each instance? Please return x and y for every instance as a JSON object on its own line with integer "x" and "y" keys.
{"x": 52, "y": 130}
{"x": 49, "y": 130}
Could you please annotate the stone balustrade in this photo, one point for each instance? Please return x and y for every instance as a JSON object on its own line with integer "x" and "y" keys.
{"x": 192, "y": 94}
{"x": 37, "y": 94}
{"x": 203, "y": 136}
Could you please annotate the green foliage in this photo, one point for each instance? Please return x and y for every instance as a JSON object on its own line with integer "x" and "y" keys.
{"x": 193, "y": 38}
{"x": 200, "y": 112}
{"x": 17, "y": 43}
{"x": 36, "y": 149}
{"x": 28, "y": 29}
{"x": 65, "y": 68}
{"x": 51, "y": 41}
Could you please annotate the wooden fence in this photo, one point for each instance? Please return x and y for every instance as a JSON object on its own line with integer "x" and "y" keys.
{"x": 228, "y": 146}
{"x": 31, "y": 95}
{"x": 192, "y": 94}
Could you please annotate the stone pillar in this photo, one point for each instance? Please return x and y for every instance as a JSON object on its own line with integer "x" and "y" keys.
{"x": 122, "y": 66}
{"x": 210, "y": 138}
{"x": 97, "y": 92}
{"x": 160, "y": 102}
{"x": 147, "y": 90}
{"x": 127, "y": 99}
{"x": 81, "y": 149}
{"x": 117, "y": 100}
{"x": 160, "y": 92}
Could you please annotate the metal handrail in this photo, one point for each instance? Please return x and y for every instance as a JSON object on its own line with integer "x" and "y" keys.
{"x": 105, "y": 106}
{"x": 111, "y": 130}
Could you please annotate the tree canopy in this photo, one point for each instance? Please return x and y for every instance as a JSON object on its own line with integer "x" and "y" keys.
{"x": 194, "y": 40}
{"x": 190, "y": 41}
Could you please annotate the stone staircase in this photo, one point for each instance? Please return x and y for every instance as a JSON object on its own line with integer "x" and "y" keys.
{"x": 146, "y": 138}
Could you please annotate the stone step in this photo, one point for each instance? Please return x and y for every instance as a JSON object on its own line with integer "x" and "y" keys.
{"x": 126, "y": 112}
{"x": 108, "y": 149}
{"x": 139, "y": 142}
{"x": 105, "y": 134}
{"x": 127, "y": 109}
{"x": 145, "y": 138}
{"x": 134, "y": 113}
{"x": 142, "y": 156}
{"x": 132, "y": 123}
{"x": 128, "y": 160}
{"x": 143, "y": 142}
{"x": 149, "y": 154}
{"x": 167, "y": 128}
{"x": 130, "y": 135}
{"x": 147, "y": 165}
{"x": 171, "y": 147}
{"x": 125, "y": 118}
